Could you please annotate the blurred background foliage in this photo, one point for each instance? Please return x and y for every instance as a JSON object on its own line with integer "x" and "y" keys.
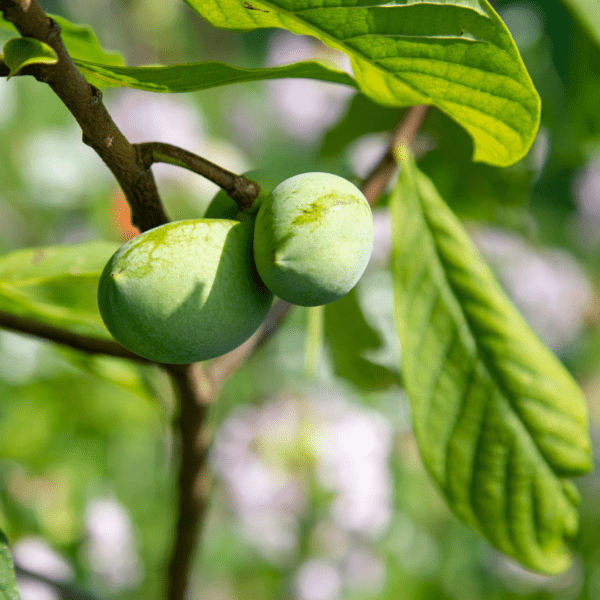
{"x": 319, "y": 492}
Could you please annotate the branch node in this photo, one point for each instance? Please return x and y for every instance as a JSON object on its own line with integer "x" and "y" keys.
{"x": 96, "y": 95}
{"x": 55, "y": 30}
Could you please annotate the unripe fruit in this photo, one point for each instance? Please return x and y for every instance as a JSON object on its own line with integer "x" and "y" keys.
{"x": 185, "y": 291}
{"x": 313, "y": 238}
{"x": 223, "y": 207}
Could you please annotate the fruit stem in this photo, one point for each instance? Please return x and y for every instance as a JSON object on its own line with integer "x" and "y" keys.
{"x": 243, "y": 191}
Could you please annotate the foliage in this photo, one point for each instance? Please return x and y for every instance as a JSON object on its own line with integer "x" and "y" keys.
{"x": 499, "y": 422}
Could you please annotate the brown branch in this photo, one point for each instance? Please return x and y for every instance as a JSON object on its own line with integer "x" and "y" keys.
{"x": 243, "y": 191}
{"x": 85, "y": 343}
{"x": 377, "y": 180}
{"x": 85, "y": 103}
{"x": 194, "y": 393}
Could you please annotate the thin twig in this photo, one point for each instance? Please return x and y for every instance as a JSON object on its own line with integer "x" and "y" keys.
{"x": 85, "y": 343}
{"x": 193, "y": 392}
{"x": 85, "y": 103}
{"x": 377, "y": 180}
{"x": 243, "y": 191}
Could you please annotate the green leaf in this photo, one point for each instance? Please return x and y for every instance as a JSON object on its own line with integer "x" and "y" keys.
{"x": 588, "y": 12}
{"x": 56, "y": 285}
{"x": 500, "y": 423}
{"x": 457, "y": 55}
{"x": 20, "y": 52}
{"x": 80, "y": 41}
{"x": 8, "y": 581}
{"x": 204, "y": 75}
{"x": 349, "y": 336}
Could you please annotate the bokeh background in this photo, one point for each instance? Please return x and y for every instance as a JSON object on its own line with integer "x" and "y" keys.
{"x": 319, "y": 492}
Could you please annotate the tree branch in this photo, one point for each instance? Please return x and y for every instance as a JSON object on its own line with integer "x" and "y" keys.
{"x": 243, "y": 191}
{"x": 377, "y": 180}
{"x": 194, "y": 393}
{"x": 85, "y": 343}
{"x": 85, "y": 103}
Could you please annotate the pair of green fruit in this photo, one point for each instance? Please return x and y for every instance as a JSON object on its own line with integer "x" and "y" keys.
{"x": 192, "y": 290}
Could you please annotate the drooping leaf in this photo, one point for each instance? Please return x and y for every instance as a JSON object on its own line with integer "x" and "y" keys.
{"x": 455, "y": 54}
{"x": 56, "y": 285}
{"x": 203, "y": 75}
{"x": 80, "y": 41}
{"x": 588, "y": 12}
{"x": 8, "y": 581}
{"x": 349, "y": 335}
{"x": 20, "y": 52}
{"x": 500, "y": 423}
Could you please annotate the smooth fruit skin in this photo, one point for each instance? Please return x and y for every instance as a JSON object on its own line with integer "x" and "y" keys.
{"x": 313, "y": 238}
{"x": 185, "y": 291}
{"x": 223, "y": 207}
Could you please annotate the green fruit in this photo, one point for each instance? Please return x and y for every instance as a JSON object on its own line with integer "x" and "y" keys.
{"x": 185, "y": 291}
{"x": 223, "y": 207}
{"x": 313, "y": 238}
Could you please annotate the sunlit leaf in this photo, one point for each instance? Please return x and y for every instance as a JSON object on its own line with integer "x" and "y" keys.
{"x": 500, "y": 423}
{"x": 457, "y": 55}
{"x": 20, "y": 52}
{"x": 8, "y": 582}
{"x": 56, "y": 285}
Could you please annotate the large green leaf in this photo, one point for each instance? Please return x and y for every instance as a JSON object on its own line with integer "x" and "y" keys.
{"x": 204, "y": 75}
{"x": 80, "y": 41}
{"x": 499, "y": 421}
{"x": 8, "y": 582}
{"x": 588, "y": 12}
{"x": 56, "y": 285}
{"x": 457, "y": 55}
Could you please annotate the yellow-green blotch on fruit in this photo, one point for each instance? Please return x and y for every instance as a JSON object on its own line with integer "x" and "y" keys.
{"x": 223, "y": 207}
{"x": 185, "y": 291}
{"x": 313, "y": 237}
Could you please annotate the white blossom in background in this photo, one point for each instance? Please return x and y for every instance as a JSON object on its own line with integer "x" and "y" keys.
{"x": 264, "y": 456}
{"x": 111, "y": 547}
{"x": 305, "y": 108}
{"x": 548, "y": 286}
{"x": 19, "y": 357}
{"x": 366, "y": 152}
{"x": 524, "y": 23}
{"x": 364, "y": 570}
{"x": 8, "y": 100}
{"x": 59, "y": 169}
{"x": 318, "y": 579}
{"x": 36, "y": 555}
{"x": 266, "y": 496}
{"x": 353, "y": 446}
{"x": 144, "y": 117}
{"x": 586, "y": 191}
{"x": 32, "y": 589}
{"x": 382, "y": 246}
